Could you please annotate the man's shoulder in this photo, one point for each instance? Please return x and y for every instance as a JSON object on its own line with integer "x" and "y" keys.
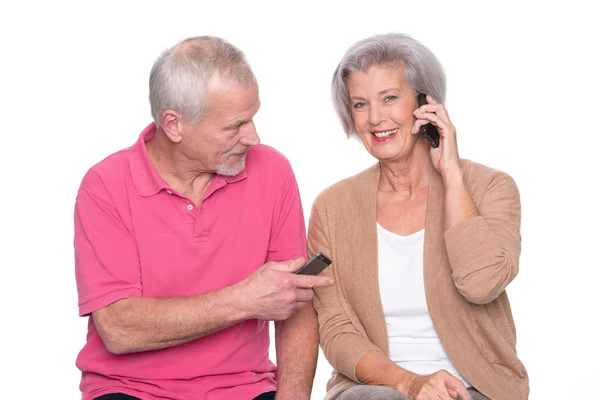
{"x": 268, "y": 162}
{"x": 105, "y": 173}
{"x": 262, "y": 154}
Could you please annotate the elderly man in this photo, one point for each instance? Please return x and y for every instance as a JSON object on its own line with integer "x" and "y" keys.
{"x": 186, "y": 244}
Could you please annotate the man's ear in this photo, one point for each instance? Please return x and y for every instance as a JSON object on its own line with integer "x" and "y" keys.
{"x": 171, "y": 122}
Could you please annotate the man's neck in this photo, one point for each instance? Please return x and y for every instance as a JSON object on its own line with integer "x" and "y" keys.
{"x": 177, "y": 171}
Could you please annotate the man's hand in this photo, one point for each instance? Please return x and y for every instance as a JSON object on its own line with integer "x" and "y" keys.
{"x": 273, "y": 292}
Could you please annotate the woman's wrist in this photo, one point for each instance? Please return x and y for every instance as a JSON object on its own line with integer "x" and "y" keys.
{"x": 453, "y": 178}
{"x": 406, "y": 382}
{"x": 412, "y": 385}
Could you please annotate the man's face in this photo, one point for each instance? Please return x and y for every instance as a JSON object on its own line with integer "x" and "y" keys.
{"x": 220, "y": 142}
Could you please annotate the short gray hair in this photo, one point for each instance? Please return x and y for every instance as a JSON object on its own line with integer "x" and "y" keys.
{"x": 422, "y": 70}
{"x": 179, "y": 76}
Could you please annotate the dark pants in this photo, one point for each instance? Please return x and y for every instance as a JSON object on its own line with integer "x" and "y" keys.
{"x": 121, "y": 396}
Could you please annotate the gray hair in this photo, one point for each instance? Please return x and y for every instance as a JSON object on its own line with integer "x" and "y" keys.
{"x": 422, "y": 70}
{"x": 179, "y": 76}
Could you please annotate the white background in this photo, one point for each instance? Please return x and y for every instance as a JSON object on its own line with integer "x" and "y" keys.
{"x": 523, "y": 93}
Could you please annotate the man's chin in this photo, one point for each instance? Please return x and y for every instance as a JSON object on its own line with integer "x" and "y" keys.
{"x": 232, "y": 170}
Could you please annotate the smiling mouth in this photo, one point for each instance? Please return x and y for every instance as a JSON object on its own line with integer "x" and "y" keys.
{"x": 383, "y": 135}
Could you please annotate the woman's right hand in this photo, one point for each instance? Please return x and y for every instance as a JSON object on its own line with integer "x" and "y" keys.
{"x": 438, "y": 386}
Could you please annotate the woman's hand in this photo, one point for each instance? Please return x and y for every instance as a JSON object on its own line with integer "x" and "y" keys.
{"x": 445, "y": 157}
{"x": 438, "y": 386}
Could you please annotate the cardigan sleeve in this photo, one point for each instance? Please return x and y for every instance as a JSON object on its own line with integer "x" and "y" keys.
{"x": 484, "y": 250}
{"x": 342, "y": 337}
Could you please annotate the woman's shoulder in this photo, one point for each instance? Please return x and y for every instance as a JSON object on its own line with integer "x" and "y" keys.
{"x": 479, "y": 177}
{"x": 349, "y": 188}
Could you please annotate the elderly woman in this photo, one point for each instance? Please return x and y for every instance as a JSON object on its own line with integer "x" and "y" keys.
{"x": 423, "y": 244}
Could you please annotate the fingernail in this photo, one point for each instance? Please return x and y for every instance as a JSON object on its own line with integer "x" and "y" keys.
{"x": 331, "y": 282}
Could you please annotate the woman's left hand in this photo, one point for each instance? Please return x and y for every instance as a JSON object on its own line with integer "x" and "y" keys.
{"x": 445, "y": 156}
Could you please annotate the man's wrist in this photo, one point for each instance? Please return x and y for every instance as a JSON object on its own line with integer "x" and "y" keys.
{"x": 239, "y": 302}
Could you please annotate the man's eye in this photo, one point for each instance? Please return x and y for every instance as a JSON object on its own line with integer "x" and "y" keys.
{"x": 390, "y": 98}
{"x": 360, "y": 104}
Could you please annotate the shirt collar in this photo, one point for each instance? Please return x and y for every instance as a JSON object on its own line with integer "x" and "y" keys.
{"x": 145, "y": 178}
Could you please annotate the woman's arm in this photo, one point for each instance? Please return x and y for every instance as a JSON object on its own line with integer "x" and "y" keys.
{"x": 459, "y": 205}
{"x": 346, "y": 345}
{"x": 374, "y": 368}
{"x": 344, "y": 342}
{"x": 483, "y": 242}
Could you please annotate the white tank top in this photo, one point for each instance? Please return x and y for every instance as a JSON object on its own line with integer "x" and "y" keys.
{"x": 413, "y": 341}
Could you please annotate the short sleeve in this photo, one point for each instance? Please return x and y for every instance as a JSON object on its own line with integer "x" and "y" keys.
{"x": 107, "y": 266}
{"x": 288, "y": 233}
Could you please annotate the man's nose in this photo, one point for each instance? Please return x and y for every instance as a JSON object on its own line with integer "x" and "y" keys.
{"x": 249, "y": 135}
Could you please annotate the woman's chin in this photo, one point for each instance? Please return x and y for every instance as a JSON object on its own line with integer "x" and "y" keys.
{"x": 389, "y": 154}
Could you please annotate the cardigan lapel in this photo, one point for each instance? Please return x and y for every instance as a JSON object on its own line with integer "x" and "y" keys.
{"x": 437, "y": 273}
{"x": 363, "y": 292}
{"x": 363, "y": 287}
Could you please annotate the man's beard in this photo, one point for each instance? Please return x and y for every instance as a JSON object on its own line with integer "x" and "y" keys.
{"x": 238, "y": 167}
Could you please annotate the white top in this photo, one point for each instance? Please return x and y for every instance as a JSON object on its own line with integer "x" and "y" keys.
{"x": 413, "y": 341}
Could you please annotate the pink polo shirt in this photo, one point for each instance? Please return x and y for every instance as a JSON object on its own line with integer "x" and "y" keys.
{"x": 136, "y": 237}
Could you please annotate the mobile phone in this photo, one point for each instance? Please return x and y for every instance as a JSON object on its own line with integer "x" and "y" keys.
{"x": 429, "y": 131}
{"x": 315, "y": 265}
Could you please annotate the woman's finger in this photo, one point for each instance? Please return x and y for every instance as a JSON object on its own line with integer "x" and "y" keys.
{"x": 437, "y": 109}
{"x": 445, "y": 128}
{"x": 431, "y": 100}
{"x": 453, "y": 384}
{"x": 418, "y": 124}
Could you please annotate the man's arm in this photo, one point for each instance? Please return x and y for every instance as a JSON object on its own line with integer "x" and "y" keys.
{"x": 296, "y": 339}
{"x": 141, "y": 323}
{"x": 271, "y": 293}
{"x": 110, "y": 289}
{"x": 297, "y": 344}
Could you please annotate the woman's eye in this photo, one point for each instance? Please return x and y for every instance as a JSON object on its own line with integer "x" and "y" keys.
{"x": 359, "y": 105}
{"x": 390, "y": 98}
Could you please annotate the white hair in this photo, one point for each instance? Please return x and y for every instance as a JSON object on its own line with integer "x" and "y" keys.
{"x": 179, "y": 76}
{"x": 422, "y": 70}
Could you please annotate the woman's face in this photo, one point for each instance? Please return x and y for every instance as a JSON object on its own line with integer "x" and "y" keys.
{"x": 382, "y": 109}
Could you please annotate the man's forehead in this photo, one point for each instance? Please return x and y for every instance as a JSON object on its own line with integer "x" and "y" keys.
{"x": 243, "y": 116}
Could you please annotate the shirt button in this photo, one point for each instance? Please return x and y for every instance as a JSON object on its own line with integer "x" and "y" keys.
{"x": 190, "y": 207}
{"x": 168, "y": 191}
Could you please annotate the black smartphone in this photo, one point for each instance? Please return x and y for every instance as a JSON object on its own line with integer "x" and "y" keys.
{"x": 315, "y": 265}
{"x": 429, "y": 131}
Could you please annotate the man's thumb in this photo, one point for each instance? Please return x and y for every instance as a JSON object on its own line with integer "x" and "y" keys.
{"x": 292, "y": 265}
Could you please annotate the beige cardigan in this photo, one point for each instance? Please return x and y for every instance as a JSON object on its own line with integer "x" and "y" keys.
{"x": 465, "y": 271}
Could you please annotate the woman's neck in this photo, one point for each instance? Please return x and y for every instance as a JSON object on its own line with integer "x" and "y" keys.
{"x": 405, "y": 176}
